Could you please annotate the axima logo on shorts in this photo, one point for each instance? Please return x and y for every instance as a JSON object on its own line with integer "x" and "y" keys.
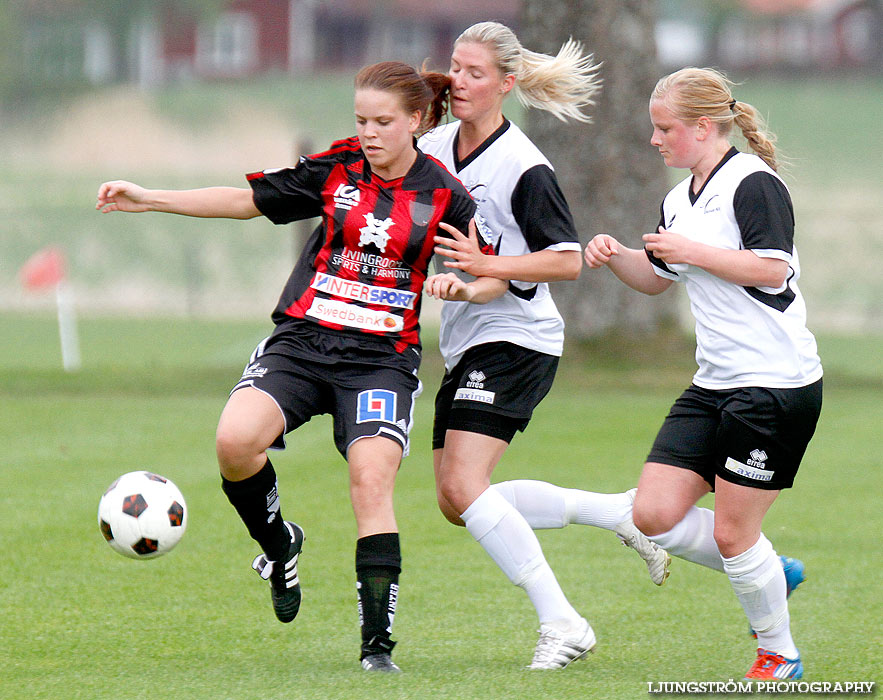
{"x": 350, "y": 289}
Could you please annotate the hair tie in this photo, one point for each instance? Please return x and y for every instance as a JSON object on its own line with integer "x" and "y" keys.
{"x": 733, "y": 105}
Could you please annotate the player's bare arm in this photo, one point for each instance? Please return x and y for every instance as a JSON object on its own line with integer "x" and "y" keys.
{"x": 542, "y": 266}
{"x": 448, "y": 287}
{"x": 209, "y": 202}
{"x": 742, "y": 267}
{"x": 630, "y": 265}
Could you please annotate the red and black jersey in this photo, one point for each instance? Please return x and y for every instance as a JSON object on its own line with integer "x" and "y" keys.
{"x": 363, "y": 268}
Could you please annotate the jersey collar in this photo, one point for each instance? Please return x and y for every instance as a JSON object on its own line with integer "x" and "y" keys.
{"x": 694, "y": 197}
{"x": 487, "y": 143}
{"x": 369, "y": 177}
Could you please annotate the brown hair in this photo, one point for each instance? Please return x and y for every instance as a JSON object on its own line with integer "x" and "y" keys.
{"x": 691, "y": 93}
{"x": 426, "y": 92}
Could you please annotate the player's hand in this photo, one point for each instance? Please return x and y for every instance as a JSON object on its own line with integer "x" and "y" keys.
{"x": 119, "y": 195}
{"x": 600, "y": 249}
{"x": 447, "y": 287}
{"x": 464, "y": 251}
{"x": 667, "y": 246}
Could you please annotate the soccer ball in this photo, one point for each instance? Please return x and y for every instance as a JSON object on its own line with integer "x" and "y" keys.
{"x": 142, "y": 515}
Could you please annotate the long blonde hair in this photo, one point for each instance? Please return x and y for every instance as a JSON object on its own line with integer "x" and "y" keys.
{"x": 691, "y": 93}
{"x": 562, "y": 85}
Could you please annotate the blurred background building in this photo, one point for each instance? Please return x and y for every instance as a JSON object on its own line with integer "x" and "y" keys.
{"x": 70, "y": 40}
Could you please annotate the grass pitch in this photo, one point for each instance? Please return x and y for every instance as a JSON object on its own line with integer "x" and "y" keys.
{"x": 79, "y": 621}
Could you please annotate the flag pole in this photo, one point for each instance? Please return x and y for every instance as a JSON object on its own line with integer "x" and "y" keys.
{"x": 67, "y": 327}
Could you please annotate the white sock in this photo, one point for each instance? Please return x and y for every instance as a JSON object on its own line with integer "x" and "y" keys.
{"x": 693, "y": 539}
{"x": 512, "y": 544}
{"x": 547, "y": 506}
{"x": 759, "y": 582}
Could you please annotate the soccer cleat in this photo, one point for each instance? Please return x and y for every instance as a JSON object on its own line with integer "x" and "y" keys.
{"x": 382, "y": 663}
{"x": 657, "y": 559}
{"x": 557, "y": 649}
{"x": 284, "y": 583}
{"x": 770, "y": 666}
{"x": 794, "y": 576}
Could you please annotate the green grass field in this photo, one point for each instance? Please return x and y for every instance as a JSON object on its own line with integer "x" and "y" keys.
{"x": 79, "y": 621}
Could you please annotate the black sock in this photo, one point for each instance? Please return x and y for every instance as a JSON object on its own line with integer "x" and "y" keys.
{"x": 256, "y": 499}
{"x": 378, "y": 565}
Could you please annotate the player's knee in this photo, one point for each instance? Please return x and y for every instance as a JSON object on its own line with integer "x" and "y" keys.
{"x": 731, "y": 540}
{"x": 653, "y": 518}
{"x": 448, "y": 510}
{"x": 370, "y": 482}
{"x": 453, "y": 496}
{"x": 234, "y": 447}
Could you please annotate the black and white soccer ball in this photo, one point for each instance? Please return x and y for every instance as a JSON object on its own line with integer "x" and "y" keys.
{"x": 142, "y": 515}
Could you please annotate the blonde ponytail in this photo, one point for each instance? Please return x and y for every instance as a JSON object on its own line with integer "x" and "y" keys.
{"x": 761, "y": 141}
{"x": 562, "y": 85}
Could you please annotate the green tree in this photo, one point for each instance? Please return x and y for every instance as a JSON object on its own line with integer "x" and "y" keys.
{"x": 613, "y": 179}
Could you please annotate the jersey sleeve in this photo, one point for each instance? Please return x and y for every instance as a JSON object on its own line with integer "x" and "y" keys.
{"x": 659, "y": 267}
{"x": 541, "y": 211}
{"x": 289, "y": 194}
{"x": 461, "y": 210}
{"x": 765, "y": 215}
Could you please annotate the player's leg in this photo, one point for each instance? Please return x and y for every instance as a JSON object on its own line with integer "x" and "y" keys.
{"x": 373, "y": 463}
{"x": 274, "y": 395}
{"x": 546, "y": 506}
{"x": 763, "y": 435}
{"x": 756, "y": 574}
{"x": 665, "y": 511}
{"x": 464, "y": 473}
{"x": 250, "y": 423}
{"x": 373, "y": 414}
{"x": 678, "y": 472}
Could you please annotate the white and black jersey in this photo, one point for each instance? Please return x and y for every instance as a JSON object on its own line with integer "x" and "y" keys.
{"x": 521, "y": 210}
{"x": 746, "y": 336}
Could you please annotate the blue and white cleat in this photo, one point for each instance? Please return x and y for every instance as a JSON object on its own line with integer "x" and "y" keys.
{"x": 770, "y": 666}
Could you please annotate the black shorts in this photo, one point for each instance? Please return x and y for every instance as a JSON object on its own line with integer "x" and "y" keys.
{"x": 751, "y": 436}
{"x": 493, "y": 391}
{"x": 364, "y": 398}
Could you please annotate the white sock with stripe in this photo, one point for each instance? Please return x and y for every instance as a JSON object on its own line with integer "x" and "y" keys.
{"x": 547, "y": 506}
{"x": 693, "y": 539}
{"x": 511, "y": 543}
{"x": 759, "y": 583}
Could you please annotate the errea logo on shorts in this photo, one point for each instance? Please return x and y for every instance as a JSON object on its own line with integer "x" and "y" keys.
{"x": 758, "y": 459}
{"x": 748, "y": 471}
{"x": 476, "y": 379}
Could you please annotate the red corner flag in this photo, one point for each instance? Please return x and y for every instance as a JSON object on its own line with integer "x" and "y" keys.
{"x": 43, "y": 269}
